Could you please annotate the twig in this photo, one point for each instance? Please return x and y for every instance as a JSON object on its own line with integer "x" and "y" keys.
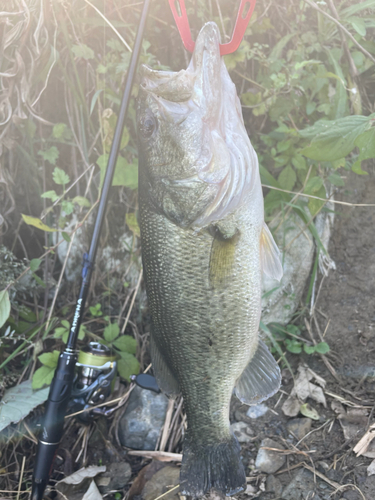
{"x": 109, "y": 24}
{"x": 351, "y": 486}
{"x": 21, "y": 477}
{"x": 362, "y": 49}
{"x": 167, "y": 422}
{"x": 163, "y": 456}
{"x": 322, "y": 476}
{"x": 324, "y": 358}
{"x": 167, "y": 492}
{"x": 132, "y": 302}
{"x": 322, "y": 199}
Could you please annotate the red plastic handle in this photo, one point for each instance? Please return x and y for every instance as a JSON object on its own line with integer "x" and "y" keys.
{"x": 243, "y": 17}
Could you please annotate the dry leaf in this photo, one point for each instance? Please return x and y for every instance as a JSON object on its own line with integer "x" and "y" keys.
{"x": 81, "y": 474}
{"x": 363, "y": 444}
{"x": 92, "y": 493}
{"x": 371, "y": 469}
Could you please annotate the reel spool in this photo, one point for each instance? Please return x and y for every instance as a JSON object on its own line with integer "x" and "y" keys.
{"x": 95, "y": 373}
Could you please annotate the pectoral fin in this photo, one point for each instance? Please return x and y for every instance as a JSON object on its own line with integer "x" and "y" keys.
{"x": 222, "y": 256}
{"x": 261, "y": 378}
{"x": 270, "y": 255}
{"x": 163, "y": 374}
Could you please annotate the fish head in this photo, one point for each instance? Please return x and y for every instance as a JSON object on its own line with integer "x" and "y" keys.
{"x": 195, "y": 155}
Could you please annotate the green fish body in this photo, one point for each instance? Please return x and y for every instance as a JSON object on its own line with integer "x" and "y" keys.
{"x": 204, "y": 248}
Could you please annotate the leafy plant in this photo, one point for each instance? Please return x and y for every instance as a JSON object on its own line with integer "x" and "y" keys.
{"x": 289, "y": 338}
{"x": 126, "y": 347}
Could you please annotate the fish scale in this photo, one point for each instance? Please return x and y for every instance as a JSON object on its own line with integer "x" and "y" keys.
{"x": 204, "y": 247}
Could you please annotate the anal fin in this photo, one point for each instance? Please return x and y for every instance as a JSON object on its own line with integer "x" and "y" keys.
{"x": 163, "y": 374}
{"x": 261, "y": 378}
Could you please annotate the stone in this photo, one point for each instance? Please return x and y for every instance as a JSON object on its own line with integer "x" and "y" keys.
{"x": 299, "y": 427}
{"x": 140, "y": 425}
{"x": 273, "y": 485}
{"x": 257, "y": 411}
{"x": 269, "y": 461}
{"x": 281, "y": 299}
{"x": 242, "y": 432}
{"x": 161, "y": 482}
{"x": 302, "y": 486}
{"x": 115, "y": 477}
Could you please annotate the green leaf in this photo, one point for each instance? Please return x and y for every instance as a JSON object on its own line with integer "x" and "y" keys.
{"x": 83, "y": 51}
{"x": 81, "y": 201}
{"x": 128, "y": 365}
{"x": 66, "y": 236}
{"x": 81, "y": 332}
{"x": 358, "y": 24}
{"x": 340, "y": 108}
{"x": 313, "y": 185}
{"x": 310, "y": 108}
{"x": 35, "y": 264}
{"x": 309, "y": 349}
{"x": 322, "y": 348}
{"x": 34, "y": 221}
{"x": 126, "y": 343}
{"x": 315, "y": 205}
{"x": 357, "y": 169}
{"x": 309, "y": 412}
{"x": 299, "y": 162}
{"x": 49, "y": 358}
{"x": 50, "y": 155}
{"x": 60, "y": 177}
{"x": 67, "y": 207}
{"x": 336, "y": 179}
{"x": 287, "y": 178}
{"x": 293, "y": 346}
{"x": 366, "y": 145}
{"x": 61, "y": 131}
{"x": 126, "y": 174}
{"x": 132, "y": 223}
{"x": 94, "y": 99}
{"x": 51, "y": 195}
{"x": 4, "y": 307}
{"x": 111, "y": 332}
{"x": 18, "y": 402}
{"x": 333, "y": 140}
{"x": 43, "y": 376}
{"x": 59, "y": 332}
{"x": 96, "y": 310}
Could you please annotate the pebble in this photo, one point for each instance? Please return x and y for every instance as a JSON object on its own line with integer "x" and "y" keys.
{"x": 242, "y": 432}
{"x": 143, "y": 419}
{"x": 161, "y": 482}
{"x": 299, "y": 427}
{"x": 302, "y": 486}
{"x": 257, "y": 411}
{"x": 273, "y": 485}
{"x": 115, "y": 477}
{"x": 269, "y": 461}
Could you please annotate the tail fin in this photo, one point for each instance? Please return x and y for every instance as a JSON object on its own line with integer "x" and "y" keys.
{"x": 215, "y": 466}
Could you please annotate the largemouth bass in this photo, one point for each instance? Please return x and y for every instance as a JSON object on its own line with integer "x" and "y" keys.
{"x": 204, "y": 247}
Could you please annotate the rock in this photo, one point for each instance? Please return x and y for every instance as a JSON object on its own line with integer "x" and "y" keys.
{"x": 280, "y": 300}
{"x": 116, "y": 477}
{"x": 242, "y": 432}
{"x": 299, "y": 427}
{"x": 269, "y": 461}
{"x": 257, "y": 411}
{"x": 301, "y": 487}
{"x": 273, "y": 485}
{"x": 143, "y": 419}
{"x": 162, "y": 481}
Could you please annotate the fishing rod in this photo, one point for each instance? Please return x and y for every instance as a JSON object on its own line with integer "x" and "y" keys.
{"x": 61, "y": 386}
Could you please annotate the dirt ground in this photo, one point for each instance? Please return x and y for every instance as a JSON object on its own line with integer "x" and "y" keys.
{"x": 346, "y": 304}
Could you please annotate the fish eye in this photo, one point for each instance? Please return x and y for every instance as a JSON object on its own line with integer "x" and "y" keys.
{"x": 148, "y": 125}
